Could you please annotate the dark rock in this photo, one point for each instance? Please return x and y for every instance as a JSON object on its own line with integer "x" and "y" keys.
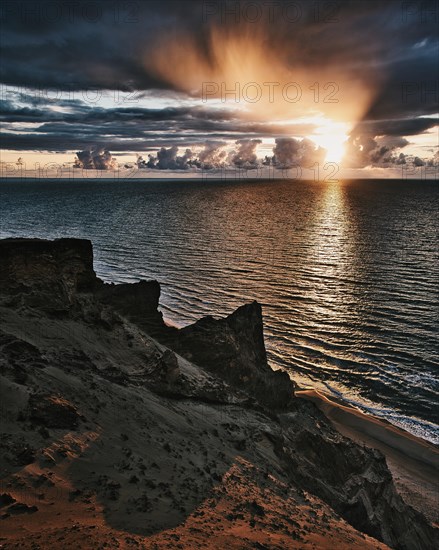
{"x": 30, "y": 261}
{"x": 165, "y": 378}
{"x": 240, "y": 445}
{"x": 20, "y": 355}
{"x": 115, "y": 375}
{"x": 234, "y": 349}
{"x": 75, "y": 494}
{"x": 170, "y": 368}
{"x": 137, "y": 302}
{"x": 6, "y": 499}
{"x": 44, "y": 432}
{"x": 53, "y": 412}
{"x": 20, "y": 375}
{"x": 24, "y": 455}
{"x": 166, "y": 372}
{"x": 21, "y": 508}
{"x": 16, "y": 450}
{"x": 355, "y": 481}
{"x": 46, "y": 274}
{"x": 256, "y": 509}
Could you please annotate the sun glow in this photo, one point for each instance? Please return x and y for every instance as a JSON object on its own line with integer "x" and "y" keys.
{"x": 332, "y": 136}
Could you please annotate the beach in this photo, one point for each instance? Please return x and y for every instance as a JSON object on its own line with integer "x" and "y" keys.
{"x": 413, "y": 461}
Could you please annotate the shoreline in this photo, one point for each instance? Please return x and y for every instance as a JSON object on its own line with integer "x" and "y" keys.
{"x": 365, "y": 409}
{"x": 413, "y": 461}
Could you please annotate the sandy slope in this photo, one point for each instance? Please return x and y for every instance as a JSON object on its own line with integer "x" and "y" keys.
{"x": 143, "y": 470}
{"x": 111, "y": 440}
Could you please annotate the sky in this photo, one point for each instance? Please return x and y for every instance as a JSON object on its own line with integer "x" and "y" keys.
{"x": 173, "y": 89}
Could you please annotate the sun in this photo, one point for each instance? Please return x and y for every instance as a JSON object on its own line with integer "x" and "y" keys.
{"x": 332, "y": 136}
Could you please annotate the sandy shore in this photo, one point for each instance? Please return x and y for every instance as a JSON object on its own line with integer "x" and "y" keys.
{"x": 413, "y": 461}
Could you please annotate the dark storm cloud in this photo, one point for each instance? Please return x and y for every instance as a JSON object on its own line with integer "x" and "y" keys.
{"x": 61, "y": 142}
{"x": 411, "y": 87}
{"x": 94, "y": 45}
{"x": 83, "y": 44}
{"x": 397, "y": 127}
{"x": 77, "y": 138}
{"x": 107, "y": 45}
{"x": 79, "y": 125}
{"x": 81, "y": 113}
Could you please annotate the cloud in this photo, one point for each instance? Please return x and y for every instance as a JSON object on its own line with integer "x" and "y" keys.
{"x": 146, "y": 46}
{"x": 245, "y": 157}
{"x": 395, "y": 127}
{"x": 364, "y": 150}
{"x": 212, "y": 156}
{"x": 95, "y": 159}
{"x": 289, "y": 152}
{"x": 167, "y": 49}
{"x": 30, "y": 122}
{"x": 167, "y": 159}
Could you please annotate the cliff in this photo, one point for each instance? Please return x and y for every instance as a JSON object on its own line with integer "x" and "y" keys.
{"x": 117, "y": 429}
{"x": 46, "y": 274}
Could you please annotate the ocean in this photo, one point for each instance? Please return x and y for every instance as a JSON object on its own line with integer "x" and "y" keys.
{"x": 347, "y": 273}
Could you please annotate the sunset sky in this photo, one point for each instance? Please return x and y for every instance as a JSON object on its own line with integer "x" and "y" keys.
{"x": 170, "y": 89}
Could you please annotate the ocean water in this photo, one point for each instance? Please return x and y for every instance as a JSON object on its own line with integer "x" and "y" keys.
{"x": 347, "y": 272}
